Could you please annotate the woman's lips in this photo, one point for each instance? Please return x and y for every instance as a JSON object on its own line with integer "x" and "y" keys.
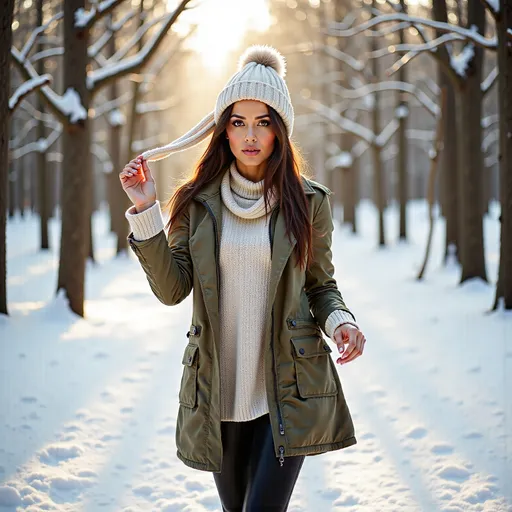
{"x": 250, "y": 152}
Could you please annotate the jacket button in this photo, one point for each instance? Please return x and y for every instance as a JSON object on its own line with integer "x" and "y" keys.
{"x": 326, "y": 348}
{"x": 294, "y": 323}
{"x": 189, "y": 359}
{"x": 302, "y": 351}
{"x": 188, "y": 334}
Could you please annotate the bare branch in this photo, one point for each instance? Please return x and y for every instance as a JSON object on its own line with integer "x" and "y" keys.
{"x": 99, "y": 151}
{"x": 26, "y": 88}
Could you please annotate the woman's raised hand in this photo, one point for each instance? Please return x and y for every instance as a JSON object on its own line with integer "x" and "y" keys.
{"x": 138, "y": 183}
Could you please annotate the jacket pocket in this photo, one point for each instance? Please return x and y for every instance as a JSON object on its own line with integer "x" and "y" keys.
{"x": 188, "y": 388}
{"x": 313, "y": 367}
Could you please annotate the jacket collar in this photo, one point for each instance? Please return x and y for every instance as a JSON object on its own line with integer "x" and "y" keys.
{"x": 213, "y": 188}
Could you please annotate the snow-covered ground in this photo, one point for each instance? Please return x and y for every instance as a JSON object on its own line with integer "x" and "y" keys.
{"x": 88, "y": 407}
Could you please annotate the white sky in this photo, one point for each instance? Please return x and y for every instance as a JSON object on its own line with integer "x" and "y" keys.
{"x": 221, "y": 26}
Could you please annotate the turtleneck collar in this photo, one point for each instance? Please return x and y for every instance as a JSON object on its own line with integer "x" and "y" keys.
{"x": 234, "y": 183}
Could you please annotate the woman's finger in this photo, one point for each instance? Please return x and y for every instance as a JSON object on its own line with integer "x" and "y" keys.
{"x": 147, "y": 171}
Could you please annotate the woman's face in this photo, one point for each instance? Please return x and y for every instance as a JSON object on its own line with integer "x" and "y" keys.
{"x": 251, "y": 135}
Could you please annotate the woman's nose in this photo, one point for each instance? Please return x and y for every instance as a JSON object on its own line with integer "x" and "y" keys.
{"x": 250, "y": 137}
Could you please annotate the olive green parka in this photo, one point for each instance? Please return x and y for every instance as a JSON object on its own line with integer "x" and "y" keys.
{"x": 307, "y": 408}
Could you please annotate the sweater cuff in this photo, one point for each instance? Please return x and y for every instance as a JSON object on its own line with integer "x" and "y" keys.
{"x": 335, "y": 319}
{"x": 147, "y": 224}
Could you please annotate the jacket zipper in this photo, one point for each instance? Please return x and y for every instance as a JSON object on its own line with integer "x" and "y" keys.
{"x": 280, "y": 418}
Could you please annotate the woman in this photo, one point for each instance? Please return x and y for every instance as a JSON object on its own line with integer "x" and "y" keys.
{"x": 250, "y": 236}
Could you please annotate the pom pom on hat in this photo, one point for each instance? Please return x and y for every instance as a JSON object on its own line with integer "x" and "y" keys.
{"x": 264, "y": 55}
{"x": 263, "y": 81}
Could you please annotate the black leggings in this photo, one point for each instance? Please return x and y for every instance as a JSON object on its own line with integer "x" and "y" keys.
{"x": 251, "y": 478}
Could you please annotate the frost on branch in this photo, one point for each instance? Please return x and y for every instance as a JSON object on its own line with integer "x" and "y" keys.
{"x": 71, "y": 105}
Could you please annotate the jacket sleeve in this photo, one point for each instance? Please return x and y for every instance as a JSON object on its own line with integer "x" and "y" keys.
{"x": 165, "y": 260}
{"x": 321, "y": 287}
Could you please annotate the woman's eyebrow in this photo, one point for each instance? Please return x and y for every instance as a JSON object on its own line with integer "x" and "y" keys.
{"x": 257, "y": 117}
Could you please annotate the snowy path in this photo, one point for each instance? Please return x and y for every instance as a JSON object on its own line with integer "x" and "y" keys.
{"x": 87, "y": 407}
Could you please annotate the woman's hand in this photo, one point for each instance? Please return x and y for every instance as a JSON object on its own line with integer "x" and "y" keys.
{"x": 355, "y": 340}
{"x": 138, "y": 183}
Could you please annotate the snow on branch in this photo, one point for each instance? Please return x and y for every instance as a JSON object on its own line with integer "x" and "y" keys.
{"x": 86, "y": 19}
{"x": 355, "y": 64}
{"x": 493, "y": 6}
{"x": 33, "y": 113}
{"x": 100, "y": 77}
{"x": 155, "y": 106}
{"x": 406, "y": 87}
{"x": 35, "y": 33}
{"x": 45, "y": 54}
{"x": 135, "y": 39}
{"x": 490, "y": 80}
{"x": 67, "y": 108}
{"x": 492, "y": 137}
{"x": 461, "y": 61}
{"x": 26, "y": 88}
{"x": 417, "y": 48}
{"x": 108, "y": 106}
{"x": 470, "y": 34}
{"x": 99, "y": 151}
{"x": 39, "y": 146}
{"x": 491, "y": 120}
{"x": 385, "y": 135}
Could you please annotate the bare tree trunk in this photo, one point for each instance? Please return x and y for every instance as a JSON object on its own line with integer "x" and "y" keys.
{"x": 403, "y": 184}
{"x": 469, "y": 115}
{"x": 42, "y": 182}
{"x": 504, "y": 23}
{"x": 449, "y": 170}
{"x": 6, "y": 15}
{"x": 378, "y": 169}
{"x": 76, "y": 168}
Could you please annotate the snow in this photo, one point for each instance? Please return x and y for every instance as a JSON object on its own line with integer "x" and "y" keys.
{"x": 494, "y": 5}
{"x": 83, "y": 17}
{"x": 401, "y": 112}
{"x": 490, "y": 79}
{"x": 89, "y": 406}
{"x": 26, "y": 87}
{"x": 461, "y": 61}
{"x": 71, "y": 105}
{"x": 116, "y": 118}
{"x": 470, "y": 34}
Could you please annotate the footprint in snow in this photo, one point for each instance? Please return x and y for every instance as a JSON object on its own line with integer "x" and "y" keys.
{"x": 454, "y": 473}
{"x": 29, "y": 399}
{"x": 442, "y": 449}
{"x": 417, "y": 433}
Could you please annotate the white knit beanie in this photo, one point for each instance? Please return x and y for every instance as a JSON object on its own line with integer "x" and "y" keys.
{"x": 260, "y": 76}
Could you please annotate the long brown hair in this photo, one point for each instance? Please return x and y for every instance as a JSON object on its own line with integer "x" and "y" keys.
{"x": 284, "y": 168}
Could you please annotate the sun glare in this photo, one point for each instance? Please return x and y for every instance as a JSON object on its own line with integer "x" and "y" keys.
{"x": 221, "y": 26}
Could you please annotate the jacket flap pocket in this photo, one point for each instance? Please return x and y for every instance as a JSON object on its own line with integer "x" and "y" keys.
{"x": 189, "y": 354}
{"x": 310, "y": 346}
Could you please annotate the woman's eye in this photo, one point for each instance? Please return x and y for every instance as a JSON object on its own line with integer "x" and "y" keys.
{"x": 265, "y": 123}
{"x": 237, "y": 121}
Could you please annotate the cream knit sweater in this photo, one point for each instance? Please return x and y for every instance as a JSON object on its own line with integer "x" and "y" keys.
{"x": 244, "y": 261}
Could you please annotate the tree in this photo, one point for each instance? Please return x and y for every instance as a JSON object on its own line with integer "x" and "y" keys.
{"x": 72, "y": 109}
